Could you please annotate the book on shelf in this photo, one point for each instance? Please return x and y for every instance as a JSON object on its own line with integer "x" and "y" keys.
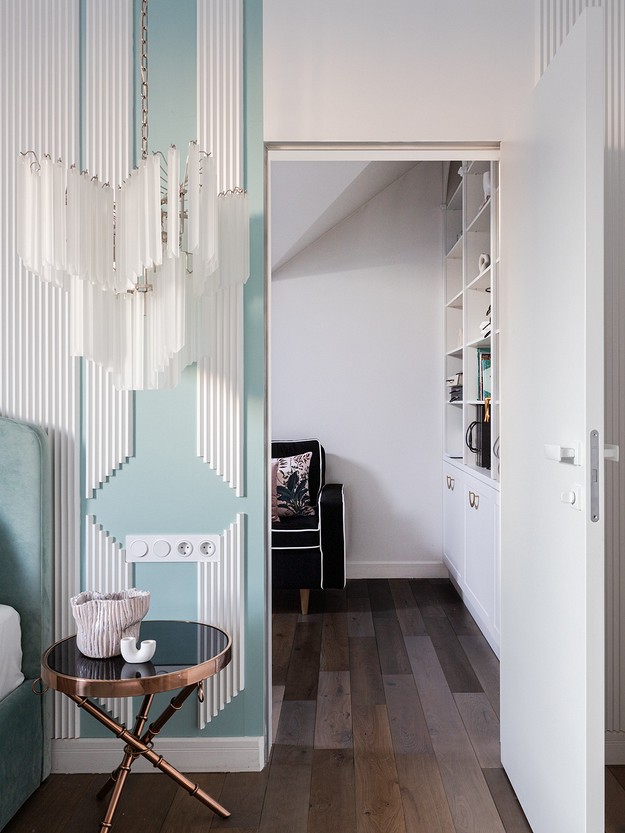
{"x": 484, "y": 374}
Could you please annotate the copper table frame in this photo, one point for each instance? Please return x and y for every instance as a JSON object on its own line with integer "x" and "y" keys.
{"x": 138, "y": 744}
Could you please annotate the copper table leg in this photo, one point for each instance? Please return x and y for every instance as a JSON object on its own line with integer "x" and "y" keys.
{"x": 142, "y": 746}
{"x": 130, "y": 753}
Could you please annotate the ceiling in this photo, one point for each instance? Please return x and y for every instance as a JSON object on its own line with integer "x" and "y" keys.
{"x": 310, "y": 198}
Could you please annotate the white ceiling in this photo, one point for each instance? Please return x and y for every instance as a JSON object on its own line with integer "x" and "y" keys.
{"x": 310, "y": 198}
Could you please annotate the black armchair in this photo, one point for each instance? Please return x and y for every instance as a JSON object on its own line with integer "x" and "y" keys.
{"x": 308, "y": 520}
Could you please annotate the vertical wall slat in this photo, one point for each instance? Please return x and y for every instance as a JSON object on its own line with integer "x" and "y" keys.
{"x": 220, "y": 602}
{"x": 106, "y": 571}
{"x": 220, "y": 131}
{"x": 108, "y": 134}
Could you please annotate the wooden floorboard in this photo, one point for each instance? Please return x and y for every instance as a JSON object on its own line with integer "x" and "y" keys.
{"x": 425, "y": 805}
{"x": 243, "y": 793}
{"x": 297, "y": 723}
{"x": 287, "y": 798}
{"x": 359, "y": 618}
{"x": 332, "y": 792}
{"x": 506, "y": 801}
{"x": 454, "y": 662}
{"x": 187, "y": 813}
{"x": 303, "y": 672}
{"x": 614, "y": 803}
{"x": 333, "y": 726}
{"x": 386, "y": 702}
{"x": 366, "y": 677}
{"x": 378, "y": 799}
{"x": 54, "y": 803}
{"x": 391, "y": 648}
{"x": 283, "y": 625}
{"x": 409, "y": 728}
{"x": 408, "y": 614}
{"x": 334, "y": 642}
{"x": 482, "y": 726}
{"x": 485, "y": 665}
{"x": 470, "y": 801}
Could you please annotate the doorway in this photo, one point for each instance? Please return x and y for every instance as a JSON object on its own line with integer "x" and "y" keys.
{"x": 327, "y": 153}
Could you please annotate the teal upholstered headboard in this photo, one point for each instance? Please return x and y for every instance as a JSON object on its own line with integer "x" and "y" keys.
{"x": 25, "y": 534}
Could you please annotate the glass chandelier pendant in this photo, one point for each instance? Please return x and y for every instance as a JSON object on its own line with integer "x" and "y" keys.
{"x": 142, "y": 262}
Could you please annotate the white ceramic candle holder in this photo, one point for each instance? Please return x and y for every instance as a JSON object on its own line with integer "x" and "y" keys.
{"x": 131, "y": 652}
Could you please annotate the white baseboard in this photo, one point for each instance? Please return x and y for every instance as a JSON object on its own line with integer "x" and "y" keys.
{"x": 615, "y": 748}
{"x": 396, "y": 569}
{"x": 186, "y": 754}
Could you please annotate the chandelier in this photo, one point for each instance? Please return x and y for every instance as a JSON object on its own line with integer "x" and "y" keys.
{"x": 142, "y": 261}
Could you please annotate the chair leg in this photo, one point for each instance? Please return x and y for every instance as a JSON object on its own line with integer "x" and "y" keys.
{"x": 304, "y": 596}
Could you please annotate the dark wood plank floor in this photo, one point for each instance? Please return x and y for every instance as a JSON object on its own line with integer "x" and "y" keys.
{"x": 386, "y": 704}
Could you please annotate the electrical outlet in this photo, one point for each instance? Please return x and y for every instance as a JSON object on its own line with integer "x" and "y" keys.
{"x": 184, "y": 548}
{"x": 208, "y": 548}
{"x": 172, "y": 548}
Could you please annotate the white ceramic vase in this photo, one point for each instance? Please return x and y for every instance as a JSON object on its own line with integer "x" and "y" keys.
{"x": 103, "y": 619}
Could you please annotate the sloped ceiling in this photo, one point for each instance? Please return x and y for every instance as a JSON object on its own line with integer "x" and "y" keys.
{"x": 310, "y": 198}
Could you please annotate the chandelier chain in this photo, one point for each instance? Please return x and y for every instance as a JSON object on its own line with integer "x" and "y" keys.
{"x": 144, "y": 79}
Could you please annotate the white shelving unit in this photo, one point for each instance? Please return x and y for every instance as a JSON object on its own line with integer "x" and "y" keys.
{"x": 470, "y": 477}
{"x": 471, "y": 234}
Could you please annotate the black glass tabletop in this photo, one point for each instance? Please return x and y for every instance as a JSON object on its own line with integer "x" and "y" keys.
{"x": 186, "y": 652}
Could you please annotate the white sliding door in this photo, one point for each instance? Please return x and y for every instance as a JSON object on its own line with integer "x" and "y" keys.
{"x": 552, "y": 632}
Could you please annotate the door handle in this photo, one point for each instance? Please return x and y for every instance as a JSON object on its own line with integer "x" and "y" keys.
{"x": 571, "y": 454}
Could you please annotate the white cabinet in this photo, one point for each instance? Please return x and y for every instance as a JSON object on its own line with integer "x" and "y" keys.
{"x": 479, "y": 575}
{"x": 453, "y": 530}
{"x": 471, "y": 545}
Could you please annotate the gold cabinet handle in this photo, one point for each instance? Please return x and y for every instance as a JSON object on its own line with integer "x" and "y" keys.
{"x": 476, "y": 504}
{"x": 453, "y": 483}
{"x": 471, "y": 499}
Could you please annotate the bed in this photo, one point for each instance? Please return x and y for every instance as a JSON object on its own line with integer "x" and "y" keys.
{"x": 25, "y": 586}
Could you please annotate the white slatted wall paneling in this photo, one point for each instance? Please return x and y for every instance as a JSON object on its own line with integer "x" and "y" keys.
{"x": 107, "y": 153}
{"x": 39, "y": 382}
{"x": 220, "y": 602}
{"x": 107, "y": 149}
{"x": 555, "y": 18}
{"x": 220, "y": 130}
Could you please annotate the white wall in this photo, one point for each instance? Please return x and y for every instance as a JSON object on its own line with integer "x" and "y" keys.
{"x": 356, "y": 361}
{"x": 402, "y": 70}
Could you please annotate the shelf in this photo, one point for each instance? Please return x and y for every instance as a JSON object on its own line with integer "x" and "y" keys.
{"x": 456, "y": 302}
{"x": 479, "y": 342}
{"x": 481, "y": 281}
{"x": 468, "y": 295}
{"x": 481, "y": 221}
{"x": 455, "y": 202}
{"x": 456, "y": 249}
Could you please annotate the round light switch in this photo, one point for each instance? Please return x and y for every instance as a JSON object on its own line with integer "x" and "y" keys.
{"x": 138, "y": 549}
{"x": 161, "y": 548}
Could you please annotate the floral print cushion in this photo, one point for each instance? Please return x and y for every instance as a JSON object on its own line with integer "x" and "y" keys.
{"x": 290, "y": 496}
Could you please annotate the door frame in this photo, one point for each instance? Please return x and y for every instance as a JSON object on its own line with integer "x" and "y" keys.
{"x": 328, "y": 152}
